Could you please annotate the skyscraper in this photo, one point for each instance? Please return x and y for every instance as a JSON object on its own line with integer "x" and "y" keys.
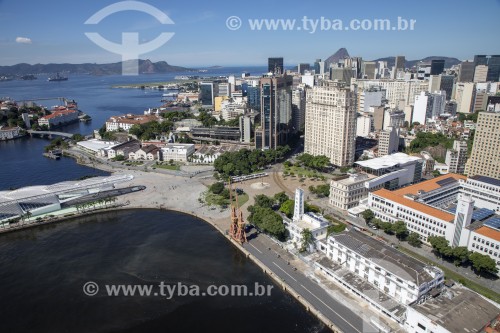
{"x": 302, "y": 68}
{"x": 456, "y": 158}
{"x": 275, "y": 65}
{"x": 437, "y": 67}
{"x": 493, "y": 69}
{"x": 330, "y": 127}
{"x": 276, "y": 111}
{"x": 207, "y": 94}
{"x": 466, "y": 72}
{"x": 298, "y": 109}
{"x": 485, "y": 156}
{"x": 399, "y": 66}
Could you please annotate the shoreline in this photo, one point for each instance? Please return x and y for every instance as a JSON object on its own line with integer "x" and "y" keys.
{"x": 189, "y": 204}
{"x": 266, "y": 270}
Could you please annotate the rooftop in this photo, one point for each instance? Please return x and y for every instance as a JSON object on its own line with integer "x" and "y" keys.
{"x": 132, "y": 119}
{"x": 41, "y": 190}
{"x": 430, "y": 185}
{"x": 385, "y": 256}
{"x": 95, "y": 145}
{"x": 389, "y": 161}
{"x": 426, "y": 209}
{"x": 489, "y": 232}
{"x": 488, "y": 180}
{"x": 458, "y": 310}
{"x": 59, "y": 113}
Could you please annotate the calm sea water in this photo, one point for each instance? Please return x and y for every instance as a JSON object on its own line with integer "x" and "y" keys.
{"x": 21, "y": 161}
{"x": 44, "y": 269}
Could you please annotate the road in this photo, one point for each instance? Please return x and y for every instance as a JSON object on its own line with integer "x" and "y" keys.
{"x": 267, "y": 252}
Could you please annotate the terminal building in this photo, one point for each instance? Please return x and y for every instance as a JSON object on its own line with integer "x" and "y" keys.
{"x": 455, "y": 309}
{"x": 390, "y": 172}
{"x": 44, "y": 199}
{"x": 381, "y": 275}
{"x": 463, "y": 211}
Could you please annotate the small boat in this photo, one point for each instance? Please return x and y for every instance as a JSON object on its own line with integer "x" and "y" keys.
{"x": 57, "y": 78}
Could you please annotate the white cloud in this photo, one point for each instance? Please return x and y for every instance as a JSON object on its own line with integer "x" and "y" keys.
{"x": 23, "y": 40}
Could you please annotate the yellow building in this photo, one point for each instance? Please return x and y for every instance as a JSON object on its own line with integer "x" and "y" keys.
{"x": 218, "y": 103}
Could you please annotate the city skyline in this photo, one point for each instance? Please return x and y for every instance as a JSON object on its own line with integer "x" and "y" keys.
{"x": 203, "y": 38}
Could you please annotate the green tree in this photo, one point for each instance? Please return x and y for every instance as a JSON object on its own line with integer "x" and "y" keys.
{"x": 307, "y": 239}
{"x": 264, "y": 201}
{"x": 400, "y": 229}
{"x": 77, "y": 137}
{"x": 368, "y": 215}
{"x": 217, "y": 188}
{"x": 281, "y": 198}
{"x": 461, "y": 254}
{"x": 414, "y": 239}
{"x": 483, "y": 263}
{"x": 287, "y": 208}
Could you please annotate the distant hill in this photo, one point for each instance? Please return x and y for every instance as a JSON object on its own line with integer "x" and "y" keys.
{"x": 342, "y": 53}
{"x": 145, "y": 66}
{"x": 334, "y": 58}
{"x": 448, "y": 62}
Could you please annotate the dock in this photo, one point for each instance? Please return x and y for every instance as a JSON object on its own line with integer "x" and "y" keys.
{"x": 53, "y": 154}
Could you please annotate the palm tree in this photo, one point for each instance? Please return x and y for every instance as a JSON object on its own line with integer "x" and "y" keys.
{"x": 28, "y": 214}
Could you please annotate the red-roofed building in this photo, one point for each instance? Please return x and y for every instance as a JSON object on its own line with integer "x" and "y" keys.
{"x": 59, "y": 117}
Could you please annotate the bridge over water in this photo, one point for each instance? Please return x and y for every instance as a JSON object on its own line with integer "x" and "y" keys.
{"x": 50, "y": 133}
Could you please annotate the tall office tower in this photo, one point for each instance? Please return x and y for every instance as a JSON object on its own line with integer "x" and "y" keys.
{"x": 393, "y": 118}
{"x": 464, "y": 96}
{"x": 438, "y": 103}
{"x": 447, "y": 83}
{"x": 253, "y": 97}
{"x": 480, "y": 73}
{"x": 437, "y": 67}
{"x": 399, "y": 66}
{"x": 493, "y": 69}
{"x": 364, "y": 124}
{"x": 388, "y": 141}
{"x": 276, "y": 111}
{"x": 331, "y": 122}
{"x": 356, "y": 65}
{"x": 423, "y": 70}
{"x": 371, "y": 96}
{"x": 224, "y": 89}
{"x": 422, "y": 109}
{"x": 245, "y": 123}
{"x": 368, "y": 69}
{"x": 451, "y": 108}
{"x": 342, "y": 74}
{"x": 275, "y": 65}
{"x": 298, "y": 109}
{"x": 466, "y": 72}
{"x": 207, "y": 94}
{"x": 302, "y": 68}
{"x": 434, "y": 83}
{"x": 456, "y": 158}
{"x": 480, "y": 60}
{"x": 319, "y": 67}
{"x": 485, "y": 157}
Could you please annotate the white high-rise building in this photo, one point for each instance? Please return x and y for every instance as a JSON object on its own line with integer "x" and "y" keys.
{"x": 364, "y": 124}
{"x": 464, "y": 96}
{"x": 456, "y": 158}
{"x": 395, "y": 90}
{"x": 298, "y": 209}
{"x": 422, "y": 109}
{"x": 330, "y": 127}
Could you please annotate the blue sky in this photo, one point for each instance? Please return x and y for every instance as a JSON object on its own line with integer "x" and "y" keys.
{"x": 56, "y": 30}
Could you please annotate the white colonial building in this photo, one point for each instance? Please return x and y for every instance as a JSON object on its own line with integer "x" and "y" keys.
{"x": 176, "y": 151}
{"x": 8, "y": 133}
{"x": 301, "y": 221}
